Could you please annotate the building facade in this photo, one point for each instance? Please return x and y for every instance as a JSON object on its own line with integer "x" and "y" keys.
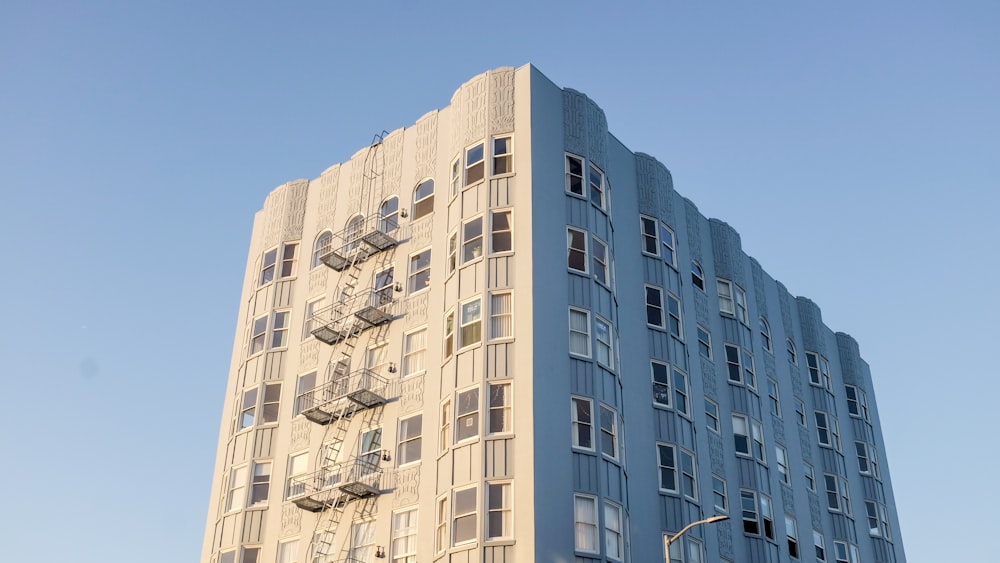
{"x": 499, "y": 335}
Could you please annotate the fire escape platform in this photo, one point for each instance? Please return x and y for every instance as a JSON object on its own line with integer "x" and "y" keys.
{"x": 337, "y": 485}
{"x": 343, "y": 397}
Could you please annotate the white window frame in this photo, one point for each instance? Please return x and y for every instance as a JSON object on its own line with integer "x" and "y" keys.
{"x": 449, "y": 333}
{"x": 598, "y": 195}
{"x": 586, "y": 536}
{"x": 669, "y": 467}
{"x": 741, "y": 434}
{"x": 742, "y": 310}
{"x": 609, "y": 433}
{"x": 857, "y": 403}
{"x": 727, "y": 305}
{"x": 570, "y": 249}
{"x": 614, "y": 531}
{"x": 291, "y": 472}
{"x": 467, "y": 407}
{"x": 477, "y": 167}
{"x": 442, "y": 515}
{"x": 503, "y": 508}
{"x": 734, "y": 368}
{"x": 750, "y": 512}
{"x": 660, "y": 374}
{"x": 718, "y": 493}
{"x": 458, "y": 517}
{"x": 604, "y": 350}
{"x": 501, "y": 315}
{"x": 654, "y": 305}
{"x": 792, "y": 537}
{"x": 312, "y": 306}
{"x": 280, "y": 321}
{"x": 507, "y": 156}
{"x": 501, "y": 405}
{"x": 578, "y": 423}
{"x": 602, "y": 271}
{"x": 697, "y": 275}
{"x": 792, "y": 352}
{"x": 321, "y": 247}
{"x": 403, "y": 538}
{"x": 682, "y": 396}
{"x": 669, "y": 245}
{"x": 258, "y": 334}
{"x": 414, "y": 352}
{"x": 268, "y": 267}
{"x": 819, "y": 544}
{"x": 236, "y": 493}
{"x": 444, "y": 437}
{"x": 765, "y": 334}
{"x": 474, "y": 324}
{"x": 675, "y": 322}
{"x": 757, "y": 434}
{"x": 647, "y": 224}
{"x": 288, "y": 551}
{"x": 473, "y": 243}
{"x": 409, "y": 443}
{"x": 781, "y": 459}
{"x": 810, "y": 475}
{"x": 713, "y": 416}
{"x": 498, "y": 233}
{"x": 774, "y": 397}
{"x": 420, "y": 203}
{"x": 576, "y": 331}
{"x": 452, "y": 252}
{"x": 456, "y": 175}
{"x": 570, "y": 176}
{"x": 415, "y": 272}
{"x": 704, "y": 342}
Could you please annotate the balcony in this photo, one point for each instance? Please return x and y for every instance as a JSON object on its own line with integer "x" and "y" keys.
{"x": 353, "y": 315}
{"x": 336, "y": 485}
{"x": 343, "y": 396}
{"x": 360, "y": 240}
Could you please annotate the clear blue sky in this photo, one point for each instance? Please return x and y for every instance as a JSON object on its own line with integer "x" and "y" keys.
{"x": 853, "y": 144}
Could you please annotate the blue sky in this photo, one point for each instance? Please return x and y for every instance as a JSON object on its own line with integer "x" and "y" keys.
{"x": 853, "y": 145}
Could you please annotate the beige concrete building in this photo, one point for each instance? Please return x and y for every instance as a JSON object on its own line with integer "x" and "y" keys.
{"x": 498, "y": 335}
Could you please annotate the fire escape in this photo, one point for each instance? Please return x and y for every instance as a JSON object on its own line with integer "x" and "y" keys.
{"x": 347, "y": 394}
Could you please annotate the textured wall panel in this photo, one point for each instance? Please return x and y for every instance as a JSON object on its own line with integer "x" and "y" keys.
{"x": 575, "y": 122}
{"x": 727, "y": 251}
{"x": 811, "y": 321}
{"x": 426, "y": 131}
{"x": 501, "y": 100}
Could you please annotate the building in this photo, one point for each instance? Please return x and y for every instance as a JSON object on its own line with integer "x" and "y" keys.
{"x": 499, "y": 335}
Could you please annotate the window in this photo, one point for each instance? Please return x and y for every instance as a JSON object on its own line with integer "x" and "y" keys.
{"x": 499, "y": 522}
{"x": 601, "y": 262}
{"x": 583, "y": 423}
{"x": 810, "y": 475}
{"x": 452, "y": 252}
{"x": 734, "y": 366}
{"x": 388, "y": 215}
{"x": 423, "y": 199}
{"x": 867, "y": 462}
{"x": 467, "y": 415}
{"x": 674, "y": 316}
{"x": 370, "y": 447}
{"x": 749, "y": 375}
{"x": 352, "y": 234}
{"x": 748, "y": 503}
{"x": 420, "y": 271}
{"x": 661, "y": 383}
{"x": 667, "y": 463}
{"x": 250, "y": 555}
{"x": 236, "y": 497}
{"x": 609, "y": 432}
{"x": 502, "y": 239}
{"x": 667, "y": 237}
{"x": 689, "y": 480}
{"x": 840, "y": 552}
{"x": 781, "y": 458}
{"x": 827, "y": 431}
{"x": 289, "y": 256}
{"x": 697, "y": 275}
{"x": 741, "y": 435}
{"x": 464, "y": 515}
{"x": 322, "y": 247}
{"x": 383, "y": 286}
{"x": 303, "y": 392}
{"x": 576, "y": 243}
{"x": 248, "y": 410}
{"x": 597, "y": 186}
{"x": 362, "y": 541}
{"x": 227, "y": 557}
{"x": 757, "y": 432}
{"x": 260, "y": 483}
{"x": 279, "y": 330}
{"x": 681, "y": 393}
{"x": 288, "y": 551}
{"x": 654, "y": 307}
{"x": 502, "y": 163}
{"x": 574, "y": 175}
{"x": 441, "y": 528}
{"x": 613, "y": 544}
{"x": 501, "y": 316}
{"x": 820, "y": 545}
{"x": 271, "y": 403}
{"x": 471, "y": 328}
{"x": 650, "y": 237}
{"x": 409, "y": 440}
{"x": 474, "y": 167}
{"x": 444, "y": 440}
{"x": 456, "y": 176}
{"x": 310, "y": 323}
{"x": 579, "y": 332}
{"x": 871, "y": 510}
{"x": 793, "y": 357}
{"x": 792, "y": 535}
{"x": 819, "y": 370}
{"x": 258, "y": 334}
{"x": 741, "y": 305}
{"x": 603, "y": 352}
{"x": 449, "y": 334}
{"x": 298, "y": 465}
{"x": 837, "y": 494}
{"x": 712, "y": 415}
{"x": 767, "y": 517}
{"x": 501, "y": 420}
{"x": 725, "y": 289}
{"x": 704, "y": 342}
{"x": 403, "y": 546}
{"x": 765, "y": 334}
{"x": 268, "y": 266}
{"x": 774, "y": 400}
{"x": 719, "y": 497}
{"x": 857, "y": 402}
{"x": 414, "y": 349}
{"x": 472, "y": 240}
{"x": 585, "y": 518}
{"x": 800, "y": 412}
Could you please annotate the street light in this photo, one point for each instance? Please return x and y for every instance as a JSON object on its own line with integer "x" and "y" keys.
{"x": 711, "y": 520}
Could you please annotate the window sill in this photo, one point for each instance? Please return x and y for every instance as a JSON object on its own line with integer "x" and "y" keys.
{"x": 581, "y": 450}
{"x": 582, "y": 196}
{"x": 579, "y": 356}
{"x": 502, "y": 175}
{"x": 583, "y": 273}
{"x": 471, "y": 261}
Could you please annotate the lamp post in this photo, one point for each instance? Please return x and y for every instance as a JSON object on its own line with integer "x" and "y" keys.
{"x": 711, "y": 520}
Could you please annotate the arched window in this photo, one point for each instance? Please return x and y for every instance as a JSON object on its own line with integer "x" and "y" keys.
{"x": 697, "y": 275}
{"x": 389, "y": 215}
{"x": 765, "y": 334}
{"x": 790, "y": 348}
{"x": 353, "y": 232}
{"x": 322, "y": 247}
{"x": 423, "y": 199}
